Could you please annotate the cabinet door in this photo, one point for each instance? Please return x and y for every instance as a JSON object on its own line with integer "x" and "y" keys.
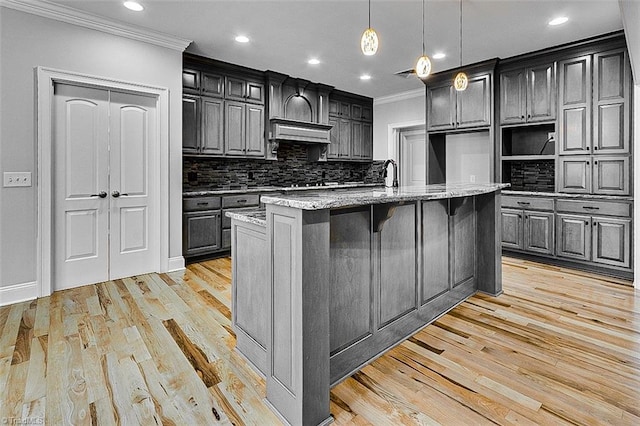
{"x": 612, "y": 241}
{"x": 356, "y": 112}
{"x": 254, "y": 131}
{"x": 463, "y": 228}
{"x": 190, "y": 124}
{"x": 539, "y": 232}
{"x": 334, "y": 136}
{"x": 611, "y": 175}
{"x": 441, "y": 107}
{"x": 574, "y": 174}
{"x": 367, "y": 113}
{"x": 541, "y": 93}
{"x": 356, "y": 140}
{"x": 573, "y": 236}
{"x": 512, "y": 229}
{"x": 574, "y": 135}
{"x": 334, "y": 108}
{"x": 344, "y": 130}
{"x": 212, "y": 126}
{"x": 190, "y": 81}
{"x": 212, "y": 85}
{"x": 345, "y": 110}
{"x": 235, "y": 88}
{"x": 367, "y": 141}
{"x": 474, "y": 104}
{"x": 234, "y": 128}
{"x": 255, "y": 92}
{"x": 611, "y": 102}
{"x": 512, "y": 97}
{"x": 201, "y": 232}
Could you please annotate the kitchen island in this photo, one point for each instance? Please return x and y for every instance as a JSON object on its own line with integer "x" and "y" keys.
{"x": 324, "y": 282}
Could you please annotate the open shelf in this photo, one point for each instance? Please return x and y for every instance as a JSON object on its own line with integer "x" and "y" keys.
{"x": 528, "y": 141}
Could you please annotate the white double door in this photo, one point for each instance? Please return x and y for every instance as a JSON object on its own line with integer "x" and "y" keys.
{"x": 105, "y": 203}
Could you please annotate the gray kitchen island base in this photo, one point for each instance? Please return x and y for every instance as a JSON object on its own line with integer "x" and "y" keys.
{"x": 349, "y": 276}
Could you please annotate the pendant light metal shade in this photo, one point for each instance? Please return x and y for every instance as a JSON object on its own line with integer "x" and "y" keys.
{"x": 369, "y": 40}
{"x": 461, "y": 81}
{"x": 423, "y": 66}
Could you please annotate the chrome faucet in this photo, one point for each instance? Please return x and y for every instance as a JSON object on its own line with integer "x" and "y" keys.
{"x": 395, "y": 171}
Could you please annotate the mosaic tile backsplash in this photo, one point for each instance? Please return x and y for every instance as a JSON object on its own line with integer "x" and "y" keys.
{"x": 291, "y": 168}
{"x": 531, "y": 175}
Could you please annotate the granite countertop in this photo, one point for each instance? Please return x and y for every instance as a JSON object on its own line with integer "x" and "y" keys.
{"x": 565, "y": 195}
{"x": 203, "y": 192}
{"x": 318, "y": 200}
{"x": 254, "y": 216}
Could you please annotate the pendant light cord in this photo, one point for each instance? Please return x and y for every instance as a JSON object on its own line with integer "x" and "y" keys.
{"x": 369, "y": 14}
{"x": 422, "y": 27}
{"x": 460, "y": 32}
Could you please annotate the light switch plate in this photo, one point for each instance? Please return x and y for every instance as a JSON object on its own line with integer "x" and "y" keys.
{"x": 17, "y": 179}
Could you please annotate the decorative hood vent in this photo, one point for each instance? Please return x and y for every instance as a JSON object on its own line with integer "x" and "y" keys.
{"x": 298, "y": 112}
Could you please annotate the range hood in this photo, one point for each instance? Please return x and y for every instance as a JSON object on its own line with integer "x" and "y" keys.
{"x": 298, "y": 113}
{"x": 295, "y": 131}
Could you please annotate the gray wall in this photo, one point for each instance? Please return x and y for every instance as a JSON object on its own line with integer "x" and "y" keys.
{"x": 28, "y": 41}
{"x": 391, "y": 111}
{"x": 468, "y": 154}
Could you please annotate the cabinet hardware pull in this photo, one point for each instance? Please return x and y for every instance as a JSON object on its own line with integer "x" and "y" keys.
{"x": 242, "y": 201}
{"x": 203, "y": 204}
{"x": 591, "y": 207}
{"x": 587, "y": 148}
{"x": 595, "y": 148}
{"x": 101, "y": 194}
{"x": 526, "y": 203}
{"x": 586, "y": 222}
{"x": 522, "y": 117}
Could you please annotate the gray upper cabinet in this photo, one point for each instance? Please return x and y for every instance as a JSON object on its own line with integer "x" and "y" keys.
{"x": 611, "y": 175}
{"x": 234, "y": 127}
{"x": 190, "y": 81}
{"x": 611, "y": 93}
{"x": 254, "y": 143}
{"x": 441, "y": 106}
{"x": 212, "y": 85}
{"x": 528, "y": 94}
{"x": 212, "y": 126}
{"x": 190, "y": 124}
{"x": 236, "y": 88}
{"x": 448, "y": 109}
{"x": 574, "y": 174}
{"x": 352, "y": 131}
{"x": 574, "y": 136}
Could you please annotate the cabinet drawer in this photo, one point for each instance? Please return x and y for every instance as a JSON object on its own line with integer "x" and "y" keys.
{"x": 610, "y": 208}
{"x": 200, "y": 203}
{"x": 245, "y": 200}
{"x": 529, "y": 203}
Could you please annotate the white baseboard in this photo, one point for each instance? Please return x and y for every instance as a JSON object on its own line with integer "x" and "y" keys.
{"x": 175, "y": 264}
{"x": 18, "y": 293}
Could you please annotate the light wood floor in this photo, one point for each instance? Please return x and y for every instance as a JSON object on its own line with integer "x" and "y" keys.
{"x": 558, "y": 347}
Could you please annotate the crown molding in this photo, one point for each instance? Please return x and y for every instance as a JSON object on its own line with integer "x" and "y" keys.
{"x": 69, "y": 15}
{"x": 397, "y": 97}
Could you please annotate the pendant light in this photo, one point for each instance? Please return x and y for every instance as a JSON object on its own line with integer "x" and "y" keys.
{"x": 460, "y": 82}
{"x": 423, "y": 66}
{"x": 369, "y": 40}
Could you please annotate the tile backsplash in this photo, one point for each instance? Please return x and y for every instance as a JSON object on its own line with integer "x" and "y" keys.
{"x": 530, "y": 175}
{"x": 292, "y": 167}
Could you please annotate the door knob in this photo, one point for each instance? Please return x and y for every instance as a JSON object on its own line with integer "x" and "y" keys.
{"x": 116, "y": 194}
{"x": 101, "y": 194}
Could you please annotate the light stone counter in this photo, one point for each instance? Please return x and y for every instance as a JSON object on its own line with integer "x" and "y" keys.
{"x": 318, "y": 200}
{"x": 256, "y": 216}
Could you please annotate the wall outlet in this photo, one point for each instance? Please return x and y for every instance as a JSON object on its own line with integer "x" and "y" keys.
{"x": 472, "y": 178}
{"x": 551, "y": 136}
{"x": 17, "y": 179}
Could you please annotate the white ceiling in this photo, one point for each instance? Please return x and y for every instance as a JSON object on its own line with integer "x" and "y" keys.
{"x": 285, "y": 34}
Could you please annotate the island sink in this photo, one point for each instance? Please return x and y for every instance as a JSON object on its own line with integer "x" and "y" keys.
{"x": 331, "y": 280}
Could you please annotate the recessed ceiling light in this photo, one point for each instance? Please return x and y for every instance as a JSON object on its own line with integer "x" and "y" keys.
{"x": 242, "y": 39}
{"x": 133, "y": 5}
{"x": 559, "y": 20}
{"x": 439, "y": 55}
{"x": 313, "y": 61}
{"x": 365, "y": 77}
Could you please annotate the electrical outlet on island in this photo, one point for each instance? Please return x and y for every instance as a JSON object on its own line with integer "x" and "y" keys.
{"x": 472, "y": 178}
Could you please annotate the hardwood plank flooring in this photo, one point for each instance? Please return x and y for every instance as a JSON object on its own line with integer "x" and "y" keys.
{"x": 558, "y": 347}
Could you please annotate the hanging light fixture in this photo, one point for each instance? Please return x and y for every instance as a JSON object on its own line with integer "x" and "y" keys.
{"x": 460, "y": 82}
{"x": 423, "y": 66}
{"x": 369, "y": 40}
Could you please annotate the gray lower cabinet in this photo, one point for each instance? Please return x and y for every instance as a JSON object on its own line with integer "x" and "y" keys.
{"x": 611, "y": 241}
{"x": 574, "y": 237}
{"x": 234, "y": 203}
{"x": 528, "y": 224}
{"x": 201, "y": 226}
